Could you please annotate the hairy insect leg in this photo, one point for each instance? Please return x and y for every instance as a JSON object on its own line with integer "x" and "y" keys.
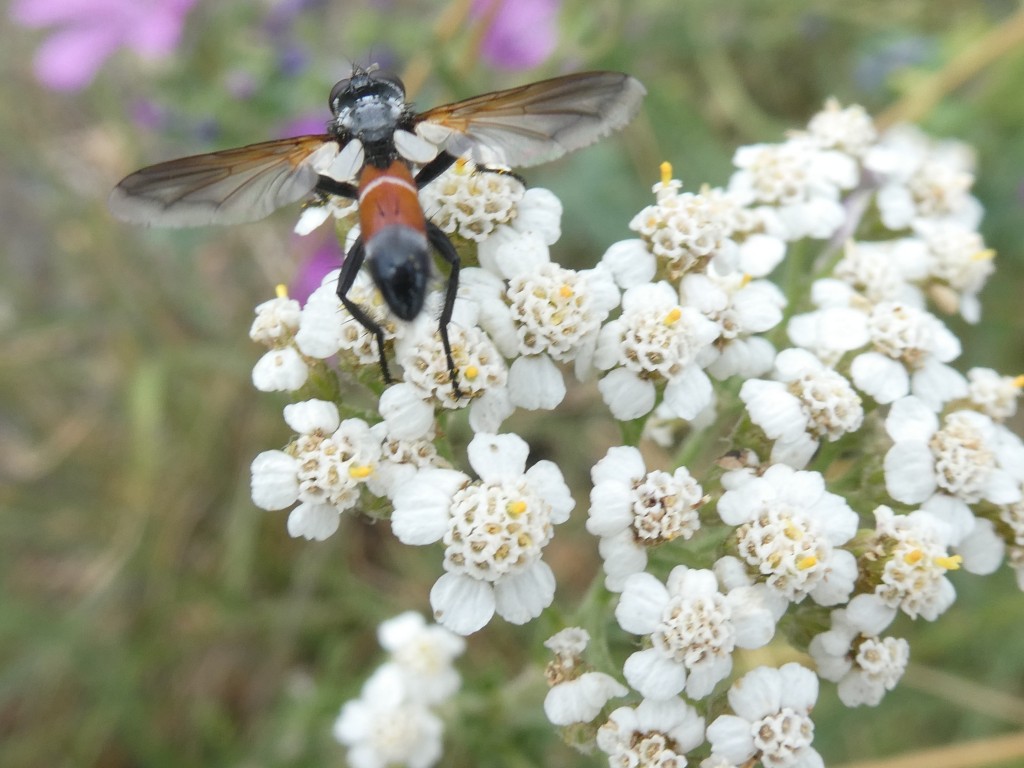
{"x": 349, "y": 271}
{"x": 444, "y": 247}
{"x": 434, "y": 168}
{"x": 329, "y": 186}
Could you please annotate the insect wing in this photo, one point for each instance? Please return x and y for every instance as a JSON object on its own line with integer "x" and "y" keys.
{"x": 227, "y": 187}
{"x": 534, "y": 123}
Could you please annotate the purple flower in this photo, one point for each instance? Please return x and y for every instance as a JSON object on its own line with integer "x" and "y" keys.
{"x": 325, "y": 257}
{"x": 520, "y": 33}
{"x": 90, "y": 31}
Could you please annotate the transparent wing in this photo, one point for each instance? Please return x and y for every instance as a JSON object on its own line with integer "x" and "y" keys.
{"x": 228, "y": 187}
{"x": 534, "y": 123}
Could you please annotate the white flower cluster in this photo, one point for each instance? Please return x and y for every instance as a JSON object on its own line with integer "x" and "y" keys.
{"x": 854, "y": 469}
{"x": 393, "y": 722}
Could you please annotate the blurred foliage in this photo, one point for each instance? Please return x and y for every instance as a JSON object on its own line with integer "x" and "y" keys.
{"x": 149, "y": 614}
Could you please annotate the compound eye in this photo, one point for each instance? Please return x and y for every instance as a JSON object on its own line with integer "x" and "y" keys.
{"x": 393, "y": 80}
{"x": 338, "y": 91}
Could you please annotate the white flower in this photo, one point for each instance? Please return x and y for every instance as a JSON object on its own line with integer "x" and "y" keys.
{"x": 852, "y": 654}
{"x": 576, "y": 695}
{"x": 480, "y": 368}
{"x": 470, "y": 202}
{"x": 693, "y": 629}
{"x": 280, "y": 370}
{"x": 789, "y": 529}
{"x": 741, "y": 307}
{"x": 914, "y": 552}
{"x": 424, "y": 653}
{"x": 959, "y": 263}
{"x": 849, "y": 130}
{"x": 654, "y": 734}
{"x": 385, "y": 728}
{"x": 655, "y": 339}
{"x": 802, "y": 182}
{"x": 683, "y": 230}
{"x": 772, "y": 722}
{"x": 632, "y": 510}
{"x": 493, "y": 530}
{"x": 964, "y": 459}
{"x": 807, "y": 403}
{"x": 313, "y": 216}
{"x": 276, "y": 321}
{"x": 545, "y": 314}
{"x": 922, "y": 179}
{"x": 401, "y": 457}
{"x": 993, "y": 394}
{"x": 327, "y": 328}
{"x": 885, "y": 270}
{"x": 323, "y": 468}
{"x": 908, "y": 349}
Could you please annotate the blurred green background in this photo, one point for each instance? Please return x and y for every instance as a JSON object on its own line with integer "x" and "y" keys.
{"x": 149, "y": 614}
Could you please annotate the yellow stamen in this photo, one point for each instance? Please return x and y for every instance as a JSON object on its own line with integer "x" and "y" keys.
{"x": 950, "y": 563}
{"x": 666, "y": 172}
{"x": 281, "y": 290}
{"x": 565, "y": 291}
{"x": 460, "y": 165}
{"x": 793, "y": 532}
{"x": 673, "y": 316}
{"x": 806, "y": 562}
{"x": 913, "y": 557}
{"x": 745, "y": 280}
{"x": 360, "y": 471}
{"x": 515, "y": 508}
{"x": 986, "y": 255}
{"x": 1019, "y": 382}
{"x": 471, "y": 372}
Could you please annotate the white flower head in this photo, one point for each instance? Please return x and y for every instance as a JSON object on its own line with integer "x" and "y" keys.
{"x": 959, "y": 264}
{"x": 848, "y": 129}
{"x": 801, "y": 181}
{"x": 323, "y": 468}
{"x": 401, "y": 457}
{"x": 327, "y": 328}
{"x": 682, "y": 229}
{"x": 771, "y": 721}
{"x": 922, "y": 179}
{"x": 425, "y": 653}
{"x": 909, "y": 558}
{"x": 964, "y": 459}
{"x": 576, "y": 695}
{"x": 654, "y": 734}
{"x": 655, "y": 339}
{"x": 789, "y": 533}
{"x": 693, "y": 629}
{"x": 385, "y": 727}
{"x": 807, "y": 403}
{"x": 493, "y": 530}
{"x": 741, "y": 308}
{"x": 852, "y": 654}
{"x": 885, "y": 270}
{"x": 276, "y": 320}
{"x": 632, "y": 510}
{"x": 993, "y": 394}
{"x": 471, "y": 202}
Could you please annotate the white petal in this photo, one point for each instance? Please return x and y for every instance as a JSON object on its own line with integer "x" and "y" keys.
{"x": 654, "y": 676}
{"x": 910, "y": 419}
{"x": 627, "y": 396}
{"x": 312, "y": 416}
{"x": 582, "y": 699}
{"x": 630, "y": 263}
{"x": 524, "y": 595}
{"x": 498, "y": 458}
{"x": 689, "y": 393}
{"x": 487, "y": 412}
{"x": 881, "y": 377}
{"x": 462, "y": 604}
{"x": 731, "y": 739}
{"x": 423, "y": 505}
{"x": 546, "y": 479}
{"x": 315, "y": 522}
{"x": 280, "y": 370}
{"x": 275, "y": 482}
{"x": 622, "y": 464}
{"x": 407, "y": 415}
{"x": 757, "y": 694}
{"x": 641, "y": 605}
{"x": 910, "y": 472}
{"x": 535, "y": 383}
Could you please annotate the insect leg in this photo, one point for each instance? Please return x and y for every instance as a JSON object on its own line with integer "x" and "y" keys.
{"x": 329, "y": 186}
{"x": 434, "y": 168}
{"x": 444, "y": 247}
{"x": 349, "y": 271}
